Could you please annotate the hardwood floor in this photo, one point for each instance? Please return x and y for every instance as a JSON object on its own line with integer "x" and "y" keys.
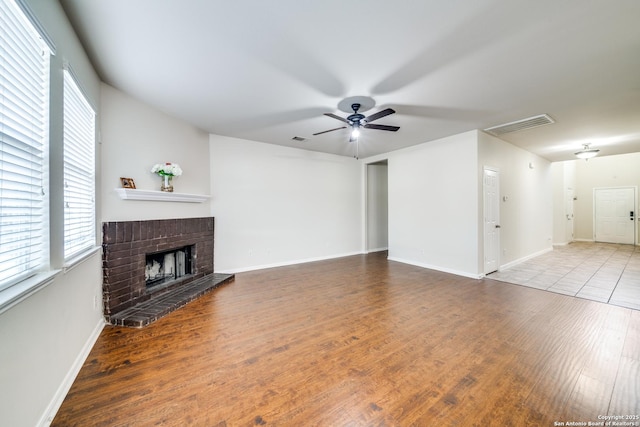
{"x": 362, "y": 341}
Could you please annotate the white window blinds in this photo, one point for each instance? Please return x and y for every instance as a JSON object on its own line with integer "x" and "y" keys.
{"x": 79, "y": 170}
{"x": 24, "y": 99}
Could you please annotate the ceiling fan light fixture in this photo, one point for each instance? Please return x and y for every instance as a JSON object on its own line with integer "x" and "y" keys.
{"x": 356, "y": 121}
{"x": 586, "y": 152}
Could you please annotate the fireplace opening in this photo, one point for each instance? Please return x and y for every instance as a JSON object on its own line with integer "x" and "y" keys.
{"x": 166, "y": 267}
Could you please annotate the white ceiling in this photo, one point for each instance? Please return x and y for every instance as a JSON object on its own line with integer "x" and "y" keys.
{"x": 268, "y": 70}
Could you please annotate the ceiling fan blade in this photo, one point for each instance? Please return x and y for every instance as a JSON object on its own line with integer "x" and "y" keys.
{"x": 379, "y": 114}
{"x": 333, "y": 116}
{"x": 382, "y": 127}
{"x": 330, "y": 130}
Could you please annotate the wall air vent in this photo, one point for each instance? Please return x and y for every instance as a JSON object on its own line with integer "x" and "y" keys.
{"x": 524, "y": 124}
{"x": 299, "y": 138}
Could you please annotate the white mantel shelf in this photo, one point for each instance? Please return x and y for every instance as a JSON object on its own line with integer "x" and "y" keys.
{"x": 160, "y": 196}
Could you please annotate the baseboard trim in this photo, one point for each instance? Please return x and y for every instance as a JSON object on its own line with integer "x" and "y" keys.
{"x": 74, "y": 370}
{"x": 286, "y": 263}
{"x": 437, "y": 268}
{"x": 370, "y": 251}
{"x": 526, "y": 258}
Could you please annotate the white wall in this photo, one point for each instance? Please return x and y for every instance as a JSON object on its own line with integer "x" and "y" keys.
{"x": 46, "y": 336}
{"x": 526, "y": 217}
{"x": 45, "y": 340}
{"x": 277, "y": 205}
{"x": 377, "y": 207}
{"x": 433, "y": 200}
{"x": 134, "y": 138}
{"x": 559, "y": 208}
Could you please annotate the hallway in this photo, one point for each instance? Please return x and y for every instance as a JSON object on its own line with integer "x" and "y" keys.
{"x": 602, "y": 272}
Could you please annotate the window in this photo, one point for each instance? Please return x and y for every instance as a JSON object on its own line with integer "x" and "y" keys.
{"x": 79, "y": 170}
{"x": 24, "y": 100}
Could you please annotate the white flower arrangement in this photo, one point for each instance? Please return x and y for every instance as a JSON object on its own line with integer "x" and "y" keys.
{"x": 167, "y": 169}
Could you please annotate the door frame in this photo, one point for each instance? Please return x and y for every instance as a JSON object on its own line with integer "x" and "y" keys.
{"x": 569, "y": 198}
{"x": 485, "y": 237}
{"x": 367, "y": 214}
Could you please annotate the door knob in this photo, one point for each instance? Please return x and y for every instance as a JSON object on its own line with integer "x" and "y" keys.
{"x": 497, "y": 226}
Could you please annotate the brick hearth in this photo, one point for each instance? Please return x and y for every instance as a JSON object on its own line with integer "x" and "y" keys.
{"x": 151, "y": 310}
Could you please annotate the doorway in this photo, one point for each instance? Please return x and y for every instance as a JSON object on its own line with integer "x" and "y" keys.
{"x": 377, "y": 207}
{"x": 615, "y": 215}
{"x": 491, "y": 208}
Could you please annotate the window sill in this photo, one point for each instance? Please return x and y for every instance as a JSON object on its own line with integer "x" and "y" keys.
{"x": 71, "y": 263}
{"x": 160, "y": 196}
{"x": 20, "y": 291}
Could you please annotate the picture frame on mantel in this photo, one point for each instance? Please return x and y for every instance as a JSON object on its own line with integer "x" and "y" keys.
{"x": 128, "y": 183}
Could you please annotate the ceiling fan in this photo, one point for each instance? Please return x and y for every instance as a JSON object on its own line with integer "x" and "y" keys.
{"x": 357, "y": 121}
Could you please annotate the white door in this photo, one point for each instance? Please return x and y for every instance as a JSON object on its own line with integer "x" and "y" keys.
{"x": 569, "y": 199}
{"x": 491, "y": 208}
{"x": 615, "y": 215}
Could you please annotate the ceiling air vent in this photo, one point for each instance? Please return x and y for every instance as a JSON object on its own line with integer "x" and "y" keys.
{"x": 299, "y": 138}
{"x": 531, "y": 122}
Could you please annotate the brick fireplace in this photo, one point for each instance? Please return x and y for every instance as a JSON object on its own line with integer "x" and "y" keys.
{"x": 126, "y": 246}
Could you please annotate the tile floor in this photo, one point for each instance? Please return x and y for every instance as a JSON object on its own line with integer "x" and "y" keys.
{"x": 603, "y": 272}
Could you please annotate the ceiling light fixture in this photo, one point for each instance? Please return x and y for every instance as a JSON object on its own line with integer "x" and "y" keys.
{"x": 586, "y": 152}
{"x": 355, "y": 133}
